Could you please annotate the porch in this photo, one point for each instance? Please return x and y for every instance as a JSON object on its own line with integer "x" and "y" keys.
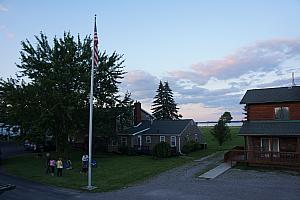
{"x": 289, "y": 160}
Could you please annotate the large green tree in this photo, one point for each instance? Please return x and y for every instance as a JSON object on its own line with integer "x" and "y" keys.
{"x": 226, "y": 117}
{"x": 221, "y": 132}
{"x": 164, "y": 106}
{"x": 55, "y": 99}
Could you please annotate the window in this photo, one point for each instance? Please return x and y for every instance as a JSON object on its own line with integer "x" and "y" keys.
{"x": 148, "y": 139}
{"x": 265, "y": 145}
{"x": 173, "y": 141}
{"x": 268, "y": 144}
{"x": 114, "y": 142}
{"x": 196, "y": 137}
{"x": 162, "y": 139}
{"x": 282, "y": 113}
{"x": 124, "y": 141}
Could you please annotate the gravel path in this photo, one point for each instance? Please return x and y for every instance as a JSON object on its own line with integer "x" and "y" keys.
{"x": 178, "y": 184}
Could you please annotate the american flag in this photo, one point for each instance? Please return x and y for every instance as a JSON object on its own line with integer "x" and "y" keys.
{"x": 95, "y": 56}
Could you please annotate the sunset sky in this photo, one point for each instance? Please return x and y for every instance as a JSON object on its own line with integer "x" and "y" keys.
{"x": 210, "y": 52}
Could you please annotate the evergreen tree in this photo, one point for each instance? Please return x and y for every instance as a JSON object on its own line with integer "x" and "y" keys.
{"x": 158, "y": 103}
{"x": 164, "y": 106}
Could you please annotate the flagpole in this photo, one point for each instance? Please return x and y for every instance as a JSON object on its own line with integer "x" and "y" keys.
{"x": 90, "y": 187}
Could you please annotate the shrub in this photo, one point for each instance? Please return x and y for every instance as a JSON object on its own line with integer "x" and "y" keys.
{"x": 124, "y": 149}
{"x": 162, "y": 150}
{"x": 191, "y": 146}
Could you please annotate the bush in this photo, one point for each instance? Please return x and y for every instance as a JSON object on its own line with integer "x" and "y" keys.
{"x": 162, "y": 150}
{"x": 124, "y": 149}
{"x": 191, "y": 146}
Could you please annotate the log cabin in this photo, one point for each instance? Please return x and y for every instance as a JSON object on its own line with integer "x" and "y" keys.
{"x": 272, "y": 126}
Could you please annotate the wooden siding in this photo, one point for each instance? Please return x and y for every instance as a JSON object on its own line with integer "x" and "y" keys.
{"x": 266, "y": 111}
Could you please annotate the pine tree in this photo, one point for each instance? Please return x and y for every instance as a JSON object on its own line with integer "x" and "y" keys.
{"x": 158, "y": 108}
{"x": 164, "y": 106}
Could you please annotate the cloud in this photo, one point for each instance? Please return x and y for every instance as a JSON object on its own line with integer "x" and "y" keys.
{"x": 8, "y": 34}
{"x": 141, "y": 84}
{"x": 207, "y": 90}
{"x": 3, "y": 8}
{"x": 262, "y": 56}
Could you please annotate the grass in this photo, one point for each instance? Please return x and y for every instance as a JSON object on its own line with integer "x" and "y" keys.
{"x": 212, "y": 144}
{"x": 114, "y": 171}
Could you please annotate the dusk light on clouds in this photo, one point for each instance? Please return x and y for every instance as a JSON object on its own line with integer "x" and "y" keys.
{"x": 210, "y": 52}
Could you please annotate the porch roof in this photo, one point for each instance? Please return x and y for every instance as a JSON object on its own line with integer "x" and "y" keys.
{"x": 270, "y": 128}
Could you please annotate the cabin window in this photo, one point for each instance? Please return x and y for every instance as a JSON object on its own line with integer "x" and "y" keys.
{"x": 114, "y": 142}
{"x": 282, "y": 113}
{"x": 173, "y": 141}
{"x": 148, "y": 139}
{"x": 124, "y": 141}
{"x": 162, "y": 139}
{"x": 268, "y": 144}
{"x": 196, "y": 137}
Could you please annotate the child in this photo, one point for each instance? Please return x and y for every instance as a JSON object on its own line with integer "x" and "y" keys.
{"x": 59, "y": 166}
{"x": 52, "y": 166}
{"x": 85, "y": 161}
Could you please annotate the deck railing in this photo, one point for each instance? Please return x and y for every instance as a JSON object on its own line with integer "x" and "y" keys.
{"x": 263, "y": 157}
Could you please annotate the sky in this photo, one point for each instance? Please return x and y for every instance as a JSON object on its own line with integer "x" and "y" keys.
{"x": 211, "y": 52}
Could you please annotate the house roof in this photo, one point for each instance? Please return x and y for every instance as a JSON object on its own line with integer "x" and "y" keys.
{"x": 272, "y": 95}
{"x": 159, "y": 127}
{"x": 142, "y": 126}
{"x": 271, "y": 128}
{"x": 167, "y": 127}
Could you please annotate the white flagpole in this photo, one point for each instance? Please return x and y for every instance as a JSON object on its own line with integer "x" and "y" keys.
{"x": 90, "y": 187}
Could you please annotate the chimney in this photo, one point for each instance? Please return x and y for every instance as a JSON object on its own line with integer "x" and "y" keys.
{"x": 137, "y": 113}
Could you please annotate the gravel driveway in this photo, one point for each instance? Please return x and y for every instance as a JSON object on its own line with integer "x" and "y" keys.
{"x": 177, "y": 184}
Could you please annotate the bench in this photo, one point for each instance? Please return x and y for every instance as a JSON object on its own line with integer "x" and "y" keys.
{"x": 6, "y": 187}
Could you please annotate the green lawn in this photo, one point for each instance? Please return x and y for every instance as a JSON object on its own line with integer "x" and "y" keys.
{"x": 212, "y": 144}
{"x": 114, "y": 171}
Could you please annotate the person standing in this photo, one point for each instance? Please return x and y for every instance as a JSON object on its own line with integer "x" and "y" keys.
{"x": 59, "y": 166}
{"x": 85, "y": 161}
{"x": 48, "y": 169}
{"x": 52, "y": 166}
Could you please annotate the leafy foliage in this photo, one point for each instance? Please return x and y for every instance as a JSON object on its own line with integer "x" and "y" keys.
{"x": 55, "y": 100}
{"x": 191, "y": 146}
{"x": 226, "y": 117}
{"x": 164, "y": 106}
{"x": 221, "y": 132}
{"x": 162, "y": 150}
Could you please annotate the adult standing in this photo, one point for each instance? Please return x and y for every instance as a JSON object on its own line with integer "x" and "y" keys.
{"x": 48, "y": 163}
{"x": 59, "y": 166}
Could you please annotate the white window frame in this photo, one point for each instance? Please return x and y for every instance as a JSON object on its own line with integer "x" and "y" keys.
{"x": 148, "y": 139}
{"x": 172, "y": 140}
{"x": 124, "y": 142}
{"x": 162, "y": 138}
{"x": 196, "y": 137}
{"x": 139, "y": 140}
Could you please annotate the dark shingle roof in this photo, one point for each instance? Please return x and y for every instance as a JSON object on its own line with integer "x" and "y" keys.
{"x": 272, "y": 95}
{"x": 165, "y": 127}
{"x": 276, "y": 128}
{"x": 140, "y": 127}
{"x": 160, "y": 127}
